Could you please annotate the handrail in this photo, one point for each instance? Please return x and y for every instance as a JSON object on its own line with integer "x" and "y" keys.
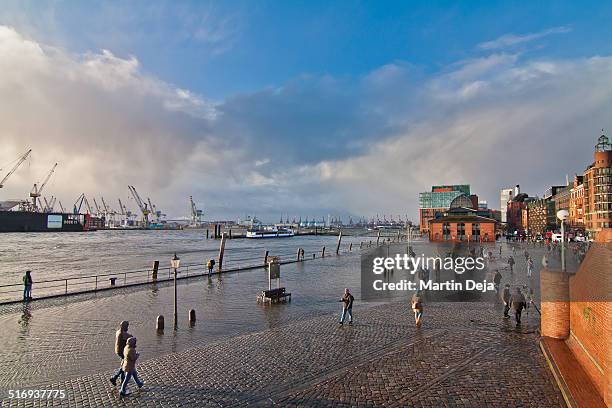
{"x": 49, "y": 287}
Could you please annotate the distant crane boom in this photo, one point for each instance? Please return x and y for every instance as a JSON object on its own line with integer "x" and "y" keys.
{"x": 11, "y": 171}
{"x": 37, "y": 191}
{"x": 141, "y": 204}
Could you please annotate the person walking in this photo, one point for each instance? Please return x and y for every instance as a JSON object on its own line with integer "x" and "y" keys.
{"x": 129, "y": 366}
{"x": 517, "y": 303}
{"x": 417, "y": 307}
{"x": 347, "y": 306}
{"x": 506, "y": 296}
{"x": 529, "y": 267}
{"x": 496, "y": 281}
{"x": 511, "y": 263}
{"x": 121, "y": 338}
{"x": 27, "y": 286}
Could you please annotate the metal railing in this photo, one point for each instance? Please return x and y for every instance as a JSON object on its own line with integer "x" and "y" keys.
{"x": 104, "y": 281}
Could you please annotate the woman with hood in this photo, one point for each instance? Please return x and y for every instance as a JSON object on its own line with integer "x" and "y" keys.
{"x": 129, "y": 366}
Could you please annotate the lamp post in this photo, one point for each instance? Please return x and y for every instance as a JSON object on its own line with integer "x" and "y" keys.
{"x": 562, "y": 215}
{"x": 175, "y": 263}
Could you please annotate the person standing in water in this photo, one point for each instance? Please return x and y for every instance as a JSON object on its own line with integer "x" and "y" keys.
{"x": 27, "y": 286}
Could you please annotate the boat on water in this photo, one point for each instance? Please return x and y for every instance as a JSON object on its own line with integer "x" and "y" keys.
{"x": 262, "y": 231}
{"x": 30, "y": 221}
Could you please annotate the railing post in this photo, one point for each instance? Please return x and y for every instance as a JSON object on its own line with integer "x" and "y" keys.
{"x": 323, "y": 253}
{"x": 66, "y": 287}
{"x": 155, "y": 269}
{"x": 124, "y": 278}
{"x": 265, "y": 262}
{"x": 96, "y": 282}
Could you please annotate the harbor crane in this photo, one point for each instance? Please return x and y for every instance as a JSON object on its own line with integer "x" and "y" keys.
{"x": 61, "y": 207}
{"x": 11, "y": 171}
{"x": 78, "y": 204}
{"x": 196, "y": 215}
{"x": 49, "y": 204}
{"x": 98, "y": 212}
{"x": 141, "y": 204}
{"x": 37, "y": 191}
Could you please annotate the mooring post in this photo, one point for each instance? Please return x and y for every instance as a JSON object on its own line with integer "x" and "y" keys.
{"x": 351, "y": 247}
{"x": 155, "y": 269}
{"x": 192, "y": 317}
{"x": 323, "y": 253}
{"x": 159, "y": 323}
{"x": 361, "y": 245}
{"x": 230, "y": 233}
{"x": 206, "y": 233}
{"x": 377, "y": 238}
{"x": 221, "y": 250}
{"x": 339, "y": 241}
{"x": 299, "y": 251}
{"x": 265, "y": 263}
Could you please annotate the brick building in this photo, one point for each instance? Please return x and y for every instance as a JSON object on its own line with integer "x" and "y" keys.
{"x": 576, "y": 220}
{"x": 575, "y": 326}
{"x": 514, "y": 211}
{"x": 462, "y": 223}
{"x": 437, "y": 201}
{"x": 561, "y": 201}
{"x": 539, "y": 213}
{"x": 597, "y": 183}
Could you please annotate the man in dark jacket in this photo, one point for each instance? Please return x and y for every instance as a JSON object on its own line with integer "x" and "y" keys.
{"x": 506, "y": 296}
{"x": 518, "y": 303}
{"x": 497, "y": 280}
{"x": 121, "y": 338}
{"x": 347, "y": 306}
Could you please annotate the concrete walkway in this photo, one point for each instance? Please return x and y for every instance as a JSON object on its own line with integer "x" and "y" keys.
{"x": 465, "y": 355}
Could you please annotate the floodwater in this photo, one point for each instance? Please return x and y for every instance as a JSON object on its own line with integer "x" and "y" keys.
{"x": 49, "y": 340}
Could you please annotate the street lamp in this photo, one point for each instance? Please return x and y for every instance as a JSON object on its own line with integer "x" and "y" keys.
{"x": 175, "y": 263}
{"x": 562, "y": 215}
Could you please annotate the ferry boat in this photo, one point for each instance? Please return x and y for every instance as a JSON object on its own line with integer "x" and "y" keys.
{"x": 269, "y": 232}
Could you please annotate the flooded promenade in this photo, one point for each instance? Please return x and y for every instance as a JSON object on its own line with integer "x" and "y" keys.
{"x": 243, "y": 354}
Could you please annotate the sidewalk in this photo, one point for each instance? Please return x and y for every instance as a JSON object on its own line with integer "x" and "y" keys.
{"x": 464, "y": 355}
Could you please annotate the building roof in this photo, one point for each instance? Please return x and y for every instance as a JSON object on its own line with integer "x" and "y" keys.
{"x": 463, "y": 218}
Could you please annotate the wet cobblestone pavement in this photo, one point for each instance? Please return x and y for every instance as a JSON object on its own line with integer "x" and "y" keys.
{"x": 464, "y": 355}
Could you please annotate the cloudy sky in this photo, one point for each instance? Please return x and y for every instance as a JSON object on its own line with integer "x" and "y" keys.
{"x": 300, "y": 108}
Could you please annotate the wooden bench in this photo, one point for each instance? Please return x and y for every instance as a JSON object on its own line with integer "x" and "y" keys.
{"x": 274, "y": 296}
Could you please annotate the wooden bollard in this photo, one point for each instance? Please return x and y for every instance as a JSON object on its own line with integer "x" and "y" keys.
{"x": 192, "y": 317}
{"x": 265, "y": 262}
{"x": 206, "y": 233}
{"x": 159, "y": 324}
{"x": 377, "y": 238}
{"x": 361, "y": 245}
{"x": 299, "y": 252}
{"x": 221, "y": 251}
{"x": 155, "y": 269}
{"x": 230, "y": 233}
{"x": 323, "y": 253}
{"x": 351, "y": 247}
{"x": 339, "y": 241}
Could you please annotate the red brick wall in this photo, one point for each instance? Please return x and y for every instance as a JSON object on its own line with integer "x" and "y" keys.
{"x": 590, "y": 316}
